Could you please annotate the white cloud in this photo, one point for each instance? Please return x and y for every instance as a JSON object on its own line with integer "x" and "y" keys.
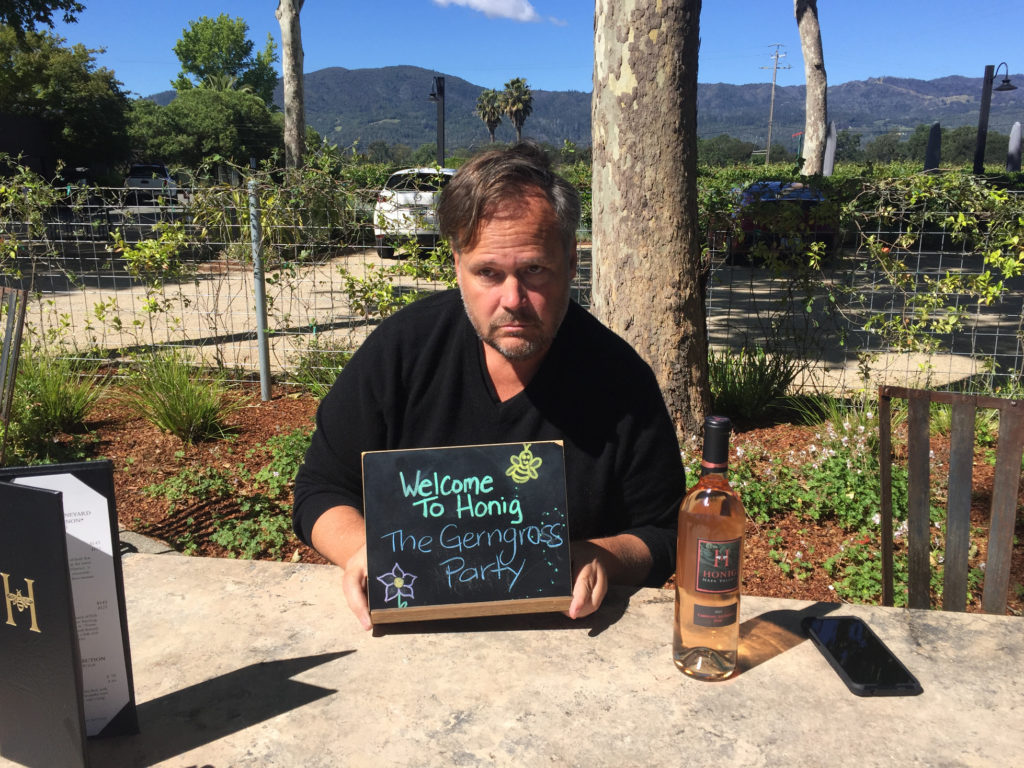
{"x": 518, "y": 10}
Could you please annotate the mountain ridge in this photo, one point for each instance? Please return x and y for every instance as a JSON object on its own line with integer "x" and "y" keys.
{"x": 356, "y": 107}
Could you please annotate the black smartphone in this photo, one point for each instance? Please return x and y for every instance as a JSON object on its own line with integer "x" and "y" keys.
{"x": 863, "y": 661}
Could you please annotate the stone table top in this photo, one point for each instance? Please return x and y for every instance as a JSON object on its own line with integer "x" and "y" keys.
{"x": 240, "y": 663}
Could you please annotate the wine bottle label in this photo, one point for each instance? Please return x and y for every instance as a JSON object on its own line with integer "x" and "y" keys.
{"x": 718, "y": 566}
{"x": 714, "y": 615}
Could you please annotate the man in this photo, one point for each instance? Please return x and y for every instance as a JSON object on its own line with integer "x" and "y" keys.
{"x": 514, "y": 361}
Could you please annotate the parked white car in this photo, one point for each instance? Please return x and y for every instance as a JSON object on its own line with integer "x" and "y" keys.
{"x": 407, "y": 208}
{"x": 151, "y": 180}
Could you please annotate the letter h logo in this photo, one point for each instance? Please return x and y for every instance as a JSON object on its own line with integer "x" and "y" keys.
{"x": 21, "y": 602}
{"x": 721, "y": 558}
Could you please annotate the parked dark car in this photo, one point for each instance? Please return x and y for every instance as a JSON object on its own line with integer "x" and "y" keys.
{"x": 781, "y": 216}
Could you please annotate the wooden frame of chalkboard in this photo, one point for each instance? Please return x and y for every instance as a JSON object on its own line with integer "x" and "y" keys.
{"x": 477, "y": 530}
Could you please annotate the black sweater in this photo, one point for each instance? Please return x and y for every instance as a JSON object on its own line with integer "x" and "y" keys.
{"x": 419, "y": 380}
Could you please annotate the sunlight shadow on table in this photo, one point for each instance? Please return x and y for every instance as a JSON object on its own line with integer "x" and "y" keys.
{"x": 766, "y": 636}
{"x": 201, "y": 714}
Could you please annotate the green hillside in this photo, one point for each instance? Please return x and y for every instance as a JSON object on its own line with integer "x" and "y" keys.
{"x": 391, "y": 104}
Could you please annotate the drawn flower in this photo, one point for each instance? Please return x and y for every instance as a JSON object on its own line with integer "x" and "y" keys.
{"x": 397, "y": 584}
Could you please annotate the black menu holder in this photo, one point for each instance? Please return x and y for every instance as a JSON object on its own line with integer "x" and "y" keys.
{"x": 64, "y": 652}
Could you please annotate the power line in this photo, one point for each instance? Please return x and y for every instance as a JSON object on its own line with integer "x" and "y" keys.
{"x": 771, "y": 108}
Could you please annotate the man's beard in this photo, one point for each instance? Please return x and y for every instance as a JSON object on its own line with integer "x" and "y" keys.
{"x": 512, "y": 348}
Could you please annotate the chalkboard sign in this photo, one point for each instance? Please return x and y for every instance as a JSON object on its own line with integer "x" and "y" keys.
{"x": 466, "y": 531}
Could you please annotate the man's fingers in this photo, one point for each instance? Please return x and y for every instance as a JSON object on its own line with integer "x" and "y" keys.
{"x": 589, "y": 590}
{"x": 354, "y": 587}
{"x": 353, "y": 584}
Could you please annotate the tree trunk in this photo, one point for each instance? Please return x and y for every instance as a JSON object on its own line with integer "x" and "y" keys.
{"x": 816, "y": 106}
{"x": 291, "y": 67}
{"x": 647, "y": 272}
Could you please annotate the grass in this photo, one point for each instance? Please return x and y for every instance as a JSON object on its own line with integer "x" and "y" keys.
{"x": 52, "y": 396}
{"x": 165, "y": 391}
{"x": 744, "y": 383}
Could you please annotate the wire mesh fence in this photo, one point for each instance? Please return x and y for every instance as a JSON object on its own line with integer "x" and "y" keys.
{"x": 112, "y": 273}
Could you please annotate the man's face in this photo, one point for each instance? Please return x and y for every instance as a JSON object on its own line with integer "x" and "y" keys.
{"x": 515, "y": 278}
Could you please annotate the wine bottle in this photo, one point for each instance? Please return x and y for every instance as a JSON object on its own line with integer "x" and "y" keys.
{"x": 708, "y": 564}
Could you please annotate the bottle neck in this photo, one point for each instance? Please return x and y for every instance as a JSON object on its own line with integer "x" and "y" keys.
{"x": 714, "y": 468}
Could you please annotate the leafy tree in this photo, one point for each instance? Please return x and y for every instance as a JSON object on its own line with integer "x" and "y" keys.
{"x": 959, "y": 144}
{"x": 82, "y": 104}
{"x": 848, "y": 147}
{"x": 425, "y": 156}
{"x": 217, "y": 47}
{"x": 225, "y": 83}
{"x": 725, "y": 150}
{"x": 27, "y": 15}
{"x": 887, "y": 148}
{"x": 489, "y": 109}
{"x": 201, "y": 123}
{"x": 517, "y": 102}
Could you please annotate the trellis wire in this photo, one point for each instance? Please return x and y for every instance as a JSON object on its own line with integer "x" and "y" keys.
{"x": 86, "y": 302}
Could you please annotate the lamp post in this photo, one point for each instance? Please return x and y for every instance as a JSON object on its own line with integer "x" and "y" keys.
{"x": 986, "y": 102}
{"x": 437, "y": 94}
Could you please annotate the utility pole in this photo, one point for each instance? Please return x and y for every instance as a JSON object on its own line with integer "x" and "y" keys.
{"x": 437, "y": 94}
{"x": 771, "y": 109}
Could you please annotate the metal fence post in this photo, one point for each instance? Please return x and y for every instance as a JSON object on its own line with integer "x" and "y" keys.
{"x": 259, "y": 287}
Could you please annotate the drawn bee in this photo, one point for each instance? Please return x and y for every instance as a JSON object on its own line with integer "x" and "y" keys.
{"x": 524, "y": 465}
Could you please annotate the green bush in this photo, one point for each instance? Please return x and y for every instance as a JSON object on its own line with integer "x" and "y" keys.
{"x": 264, "y": 530}
{"x": 166, "y": 391}
{"x": 319, "y": 365}
{"x": 743, "y": 384}
{"x": 286, "y": 455}
{"x": 56, "y": 397}
{"x": 52, "y": 396}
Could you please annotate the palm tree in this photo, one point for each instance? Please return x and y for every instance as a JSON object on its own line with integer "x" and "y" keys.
{"x": 225, "y": 82}
{"x": 489, "y": 109}
{"x": 517, "y": 101}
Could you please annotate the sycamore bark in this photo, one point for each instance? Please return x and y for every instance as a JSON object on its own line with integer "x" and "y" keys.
{"x": 647, "y": 271}
{"x": 291, "y": 69}
{"x": 815, "y": 105}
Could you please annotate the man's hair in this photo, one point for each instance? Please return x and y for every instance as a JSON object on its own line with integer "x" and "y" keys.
{"x": 499, "y": 177}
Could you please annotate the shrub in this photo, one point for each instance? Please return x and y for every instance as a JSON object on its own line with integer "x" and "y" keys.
{"x": 286, "y": 455}
{"x": 319, "y": 365}
{"x": 743, "y": 384}
{"x": 55, "y": 397}
{"x": 51, "y": 397}
{"x": 166, "y": 391}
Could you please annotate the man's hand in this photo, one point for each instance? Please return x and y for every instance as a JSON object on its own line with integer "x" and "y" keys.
{"x": 596, "y": 563}
{"x": 353, "y": 585}
{"x": 589, "y": 580}
{"x": 340, "y": 536}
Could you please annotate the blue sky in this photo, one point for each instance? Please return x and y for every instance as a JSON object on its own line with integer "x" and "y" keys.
{"x": 550, "y": 42}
